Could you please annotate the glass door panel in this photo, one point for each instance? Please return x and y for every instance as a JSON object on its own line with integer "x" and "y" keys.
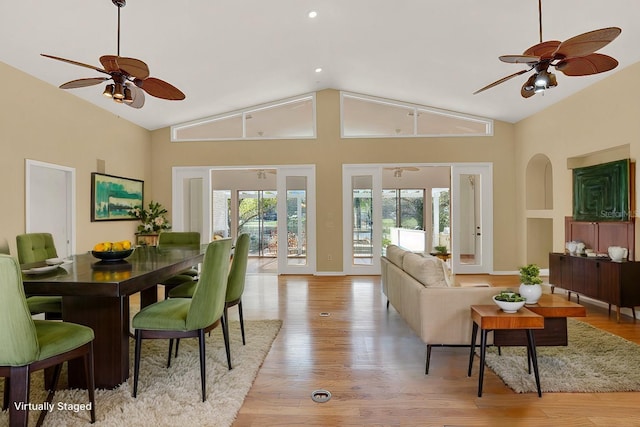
{"x": 296, "y": 215}
{"x": 257, "y": 216}
{"x": 362, "y": 225}
{"x": 362, "y": 219}
{"x": 296, "y": 220}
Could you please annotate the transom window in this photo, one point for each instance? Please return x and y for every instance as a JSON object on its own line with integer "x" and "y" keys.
{"x": 285, "y": 119}
{"x": 369, "y": 117}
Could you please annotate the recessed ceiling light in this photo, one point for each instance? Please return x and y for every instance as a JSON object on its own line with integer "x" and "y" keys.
{"x": 318, "y": 70}
{"x": 312, "y": 14}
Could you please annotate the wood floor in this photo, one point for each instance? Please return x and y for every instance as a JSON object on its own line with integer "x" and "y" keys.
{"x": 373, "y": 365}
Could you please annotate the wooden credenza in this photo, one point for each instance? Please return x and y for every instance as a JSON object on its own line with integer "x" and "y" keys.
{"x": 616, "y": 283}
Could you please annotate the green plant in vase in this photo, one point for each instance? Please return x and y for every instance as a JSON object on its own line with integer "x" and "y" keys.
{"x": 152, "y": 220}
{"x": 530, "y": 283}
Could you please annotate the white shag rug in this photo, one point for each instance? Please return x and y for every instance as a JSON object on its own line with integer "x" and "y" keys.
{"x": 594, "y": 361}
{"x": 170, "y": 397}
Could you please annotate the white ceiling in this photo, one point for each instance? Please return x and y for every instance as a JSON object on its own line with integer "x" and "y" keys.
{"x": 230, "y": 54}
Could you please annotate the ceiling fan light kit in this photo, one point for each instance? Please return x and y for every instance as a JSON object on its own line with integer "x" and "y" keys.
{"x": 130, "y": 77}
{"x": 573, "y": 57}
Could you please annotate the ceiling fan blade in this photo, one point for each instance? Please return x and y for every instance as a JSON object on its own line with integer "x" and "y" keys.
{"x": 543, "y": 50}
{"x": 520, "y": 59}
{"x": 109, "y": 63}
{"x": 587, "y": 65}
{"x": 160, "y": 89}
{"x": 133, "y": 67}
{"x": 69, "y": 61}
{"x": 73, "y": 84}
{"x": 502, "y": 80}
{"x": 137, "y": 95}
{"x": 527, "y": 90}
{"x": 586, "y": 43}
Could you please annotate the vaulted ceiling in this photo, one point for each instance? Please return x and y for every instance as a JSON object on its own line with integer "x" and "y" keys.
{"x": 227, "y": 54}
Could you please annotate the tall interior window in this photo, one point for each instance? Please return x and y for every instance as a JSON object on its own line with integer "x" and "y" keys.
{"x": 403, "y": 218}
{"x": 257, "y": 215}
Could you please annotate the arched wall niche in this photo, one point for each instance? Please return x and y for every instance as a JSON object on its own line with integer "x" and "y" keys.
{"x": 539, "y": 183}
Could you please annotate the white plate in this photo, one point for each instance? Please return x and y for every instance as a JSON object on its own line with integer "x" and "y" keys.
{"x": 40, "y": 270}
{"x": 54, "y": 261}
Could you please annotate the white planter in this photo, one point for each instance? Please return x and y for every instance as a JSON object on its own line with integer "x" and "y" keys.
{"x": 531, "y": 293}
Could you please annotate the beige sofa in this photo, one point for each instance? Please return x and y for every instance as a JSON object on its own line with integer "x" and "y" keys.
{"x": 421, "y": 290}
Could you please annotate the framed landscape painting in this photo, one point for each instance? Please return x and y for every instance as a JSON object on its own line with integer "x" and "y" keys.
{"x": 112, "y": 197}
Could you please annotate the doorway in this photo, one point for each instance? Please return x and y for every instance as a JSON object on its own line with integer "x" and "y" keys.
{"x": 260, "y": 200}
{"x": 419, "y": 207}
{"x": 50, "y": 203}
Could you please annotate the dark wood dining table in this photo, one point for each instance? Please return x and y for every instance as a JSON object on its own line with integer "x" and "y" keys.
{"x": 96, "y": 293}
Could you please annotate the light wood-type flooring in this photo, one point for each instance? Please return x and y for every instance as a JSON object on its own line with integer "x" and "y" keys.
{"x": 373, "y": 365}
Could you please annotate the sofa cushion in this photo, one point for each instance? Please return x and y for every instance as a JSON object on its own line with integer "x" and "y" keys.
{"x": 428, "y": 270}
{"x": 395, "y": 254}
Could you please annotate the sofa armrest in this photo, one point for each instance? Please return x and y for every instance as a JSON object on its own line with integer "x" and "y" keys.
{"x": 446, "y": 313}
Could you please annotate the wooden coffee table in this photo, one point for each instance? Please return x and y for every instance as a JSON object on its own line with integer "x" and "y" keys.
{"x": 491, "y": 318}
{"x": 555, "y": 309}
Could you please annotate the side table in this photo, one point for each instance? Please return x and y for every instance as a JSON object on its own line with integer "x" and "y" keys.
{"x": 490, "y": 318}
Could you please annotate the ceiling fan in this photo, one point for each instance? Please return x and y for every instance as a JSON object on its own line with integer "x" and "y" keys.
{"x": 397, "y": 171}
{"x": 130, "y": 77}
{"x": 573, "y": 57}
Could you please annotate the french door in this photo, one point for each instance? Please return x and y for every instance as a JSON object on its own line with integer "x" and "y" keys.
{"x": 362, "y": 219}
{"x": 296, "y": 220}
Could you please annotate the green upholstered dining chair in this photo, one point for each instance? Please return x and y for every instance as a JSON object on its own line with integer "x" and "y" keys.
{"x": 37, "y": 247}
{"x": 177, "y": 318}
{"x": 28, "y": 345}
{"x": 4, "y": 247}
{"x": 179, "y": 239}
{"x": 235, "y": 281}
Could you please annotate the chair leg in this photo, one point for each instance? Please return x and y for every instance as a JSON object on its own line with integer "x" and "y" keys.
{"x": 203, "y": 373}
{"x": 91, "y": 383}
{"x": 387, "y": 304}
{"x": 242, "y": 321}
{"x": 170, "y": 350}
{"x": 136, "y": 363}
{"x": 52, "y": 392}
{"x": 225, "y": 334}
{"x": 18, "y": 415}
{"x": 177, "y": 345}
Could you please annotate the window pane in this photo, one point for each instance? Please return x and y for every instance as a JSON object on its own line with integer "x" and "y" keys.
{"x": 364, "y": 117}
{"x": 362, "y": 230}
{"x": 431, "y": 123}
{"x": 297, "y": 220}
{"x": 229, "y": 127}
{"x": 293, "y": 119}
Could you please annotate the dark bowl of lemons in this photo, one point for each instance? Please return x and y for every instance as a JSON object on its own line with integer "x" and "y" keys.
{"x": 109, "y": 251}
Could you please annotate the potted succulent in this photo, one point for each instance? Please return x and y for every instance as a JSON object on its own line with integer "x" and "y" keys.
{"x": 530, "y": 282}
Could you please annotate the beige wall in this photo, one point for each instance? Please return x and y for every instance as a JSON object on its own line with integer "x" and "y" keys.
{"x": 328, "y": 152}
{"x": 44, "y": 123}
{"x": 601, "y": 117}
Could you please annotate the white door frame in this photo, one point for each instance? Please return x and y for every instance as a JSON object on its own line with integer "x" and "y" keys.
{"x": 309, "y": 171}
{"x": 182, "y": 173}
{"x": 485, "y": 192}
{"x": 67, "y": 200}
{"x": 348, "y": 172}
{"x": 178, "y": 200}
